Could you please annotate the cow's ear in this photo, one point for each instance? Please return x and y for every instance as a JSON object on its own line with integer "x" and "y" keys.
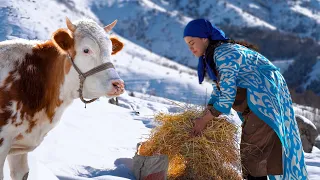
{"x": 116, "y": 45}
{"x": 63, "y": 39}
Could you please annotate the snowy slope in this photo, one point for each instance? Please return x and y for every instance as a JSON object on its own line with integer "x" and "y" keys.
{"x": 151, "y": 73}
{"x": 157, "y": 25}
{"x": 314, "y": 74}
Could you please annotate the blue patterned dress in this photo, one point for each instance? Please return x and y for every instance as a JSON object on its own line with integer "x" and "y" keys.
{"x": 268, "y": 97}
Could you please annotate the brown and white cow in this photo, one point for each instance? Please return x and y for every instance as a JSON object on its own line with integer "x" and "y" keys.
{"x": 38, "y": 80}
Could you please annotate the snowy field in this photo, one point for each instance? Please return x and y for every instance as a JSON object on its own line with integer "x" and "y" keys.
{"x": 99, "y": 142}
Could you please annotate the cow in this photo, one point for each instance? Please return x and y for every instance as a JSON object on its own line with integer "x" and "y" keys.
{"x": 40, "y": 79}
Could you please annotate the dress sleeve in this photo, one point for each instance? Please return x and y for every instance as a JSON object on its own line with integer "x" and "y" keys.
{"x": 228, "y": 62}
{"x": 214, "y": 95}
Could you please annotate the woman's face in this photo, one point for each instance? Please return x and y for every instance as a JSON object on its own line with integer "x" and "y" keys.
{"x": 197, "y": 45}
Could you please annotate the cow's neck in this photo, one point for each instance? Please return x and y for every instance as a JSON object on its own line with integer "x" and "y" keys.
{"x": 70, "y": 85}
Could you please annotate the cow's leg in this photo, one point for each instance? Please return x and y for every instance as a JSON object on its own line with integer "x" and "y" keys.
{"x": 5, "y": 145}
{"x": 19, "y": 168}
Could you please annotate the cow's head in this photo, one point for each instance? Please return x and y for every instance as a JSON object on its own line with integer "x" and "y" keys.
{"x": 89, "y": 46}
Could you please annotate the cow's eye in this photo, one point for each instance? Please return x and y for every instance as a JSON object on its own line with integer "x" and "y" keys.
{"x": 86, "y": 51}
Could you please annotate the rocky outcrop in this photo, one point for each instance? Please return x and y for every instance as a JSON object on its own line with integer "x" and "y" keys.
{"x": 308, "y": 133}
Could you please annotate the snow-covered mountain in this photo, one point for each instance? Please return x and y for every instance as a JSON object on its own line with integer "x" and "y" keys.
{"x": 283, "y": 30}
{"x": 158, "y": 24}
{"x": 149, "y": 63}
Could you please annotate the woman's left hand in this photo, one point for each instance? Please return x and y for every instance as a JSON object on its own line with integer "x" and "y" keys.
{"x": 201, "y": 122}
{"x": 199, "y": 125}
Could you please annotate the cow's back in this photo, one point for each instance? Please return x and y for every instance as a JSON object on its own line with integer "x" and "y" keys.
{"x": 12, "y": 53}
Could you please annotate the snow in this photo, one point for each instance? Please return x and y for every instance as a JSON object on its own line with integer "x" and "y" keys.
{"x": 313, "y": 163}
{"x": 307, "y": 12}
{"x": 99, "y": 142}
{"x": 39, "y": 170}
{"x": 250, "y": 19}
{"x": 314, "y": 74}
{"x": 283, "y": 64}
{"x": 164, "y": 21}
{"x": 306, "y": 121}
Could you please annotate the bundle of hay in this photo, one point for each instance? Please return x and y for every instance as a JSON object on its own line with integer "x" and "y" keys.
{"x": 213, "y": 155}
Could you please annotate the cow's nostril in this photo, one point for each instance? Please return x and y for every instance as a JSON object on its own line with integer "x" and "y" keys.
{"x": 118, "y": 84}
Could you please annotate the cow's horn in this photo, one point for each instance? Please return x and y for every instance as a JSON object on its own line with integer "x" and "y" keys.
{"x": 110, "y": 26}
{"x": 70, "y": 26}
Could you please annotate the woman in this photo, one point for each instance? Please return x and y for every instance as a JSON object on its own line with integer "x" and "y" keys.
{"x": 248, "y": 82}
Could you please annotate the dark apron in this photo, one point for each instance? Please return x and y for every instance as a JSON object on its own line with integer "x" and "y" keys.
{"x": 260, "y": 147}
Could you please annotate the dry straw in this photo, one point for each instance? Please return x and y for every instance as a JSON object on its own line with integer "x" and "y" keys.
{"x": 213, "y": 155}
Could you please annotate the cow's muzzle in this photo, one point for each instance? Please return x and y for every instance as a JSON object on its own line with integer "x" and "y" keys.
{"x": 117, "y": 88}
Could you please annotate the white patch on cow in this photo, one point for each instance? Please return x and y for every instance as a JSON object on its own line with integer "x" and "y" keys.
{"x": 16, "y": 111}
{"x": 7, "y": 135}
{"x": 31, "y": 68}
{"x": 43, "y": 125}
{"x": 31, "y": 139}
{"x": 8, "y": 86}
{"x": 16, "y": 76}
{"x": 4, "y": 72}
{"x": 13, "y": 107}
{"x": 12, "y": 53}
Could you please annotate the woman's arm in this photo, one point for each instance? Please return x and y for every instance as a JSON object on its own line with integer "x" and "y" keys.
{"x": 228, "y": 62}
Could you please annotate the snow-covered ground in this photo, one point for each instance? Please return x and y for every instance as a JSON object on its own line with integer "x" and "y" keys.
{"x": 99, "y": 142}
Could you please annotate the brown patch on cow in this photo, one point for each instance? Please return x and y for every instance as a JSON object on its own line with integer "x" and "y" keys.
{"x": 6, "y": 99}
{"x": 42, "y": 87}
{"x": 67, "y": 66}
{"x": 65, "y": 42}
{"x": 37, "y": 89}
{"x": 32, "y": 123}
{"x": 19, "y": 105}
{"x": 14, "y": 120}
{"x": 19, "y": 137}
{"x": 5, "y": 102}
{"x": 1, "y": 141}
{"x": 18, "y": 124}
{"x": 116, "y": 45}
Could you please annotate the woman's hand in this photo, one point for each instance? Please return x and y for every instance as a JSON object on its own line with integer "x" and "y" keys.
{"x": 199, "y": 125}
{"x": 201, "y": 122}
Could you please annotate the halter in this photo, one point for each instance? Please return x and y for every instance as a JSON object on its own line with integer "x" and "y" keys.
{"x": 83, "y": 76}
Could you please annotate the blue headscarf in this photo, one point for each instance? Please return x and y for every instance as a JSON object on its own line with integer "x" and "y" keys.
{"x": 202, "y": 28}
